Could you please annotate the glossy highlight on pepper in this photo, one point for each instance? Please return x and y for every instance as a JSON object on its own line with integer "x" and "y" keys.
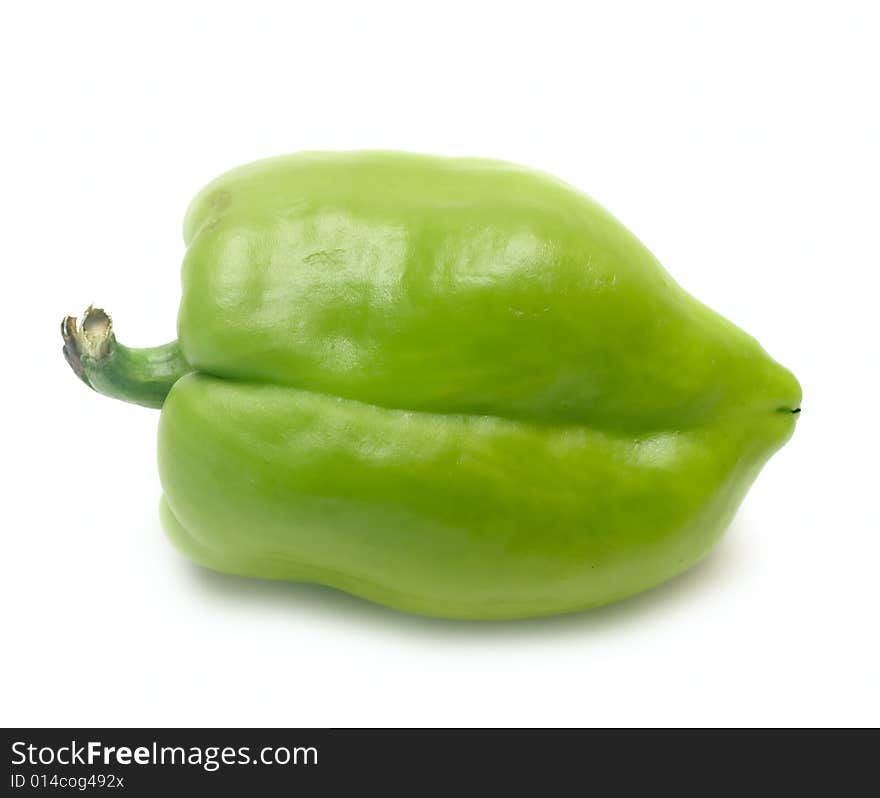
{"x": 453, "y": 386}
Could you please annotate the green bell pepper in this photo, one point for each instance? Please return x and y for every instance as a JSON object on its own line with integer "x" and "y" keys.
{"x": 455, "y": 387}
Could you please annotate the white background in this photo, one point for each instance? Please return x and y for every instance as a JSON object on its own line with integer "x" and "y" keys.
{"x": 741, "y": 145}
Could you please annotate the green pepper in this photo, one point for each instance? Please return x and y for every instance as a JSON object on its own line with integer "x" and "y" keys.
{"x": 456, "y": 387}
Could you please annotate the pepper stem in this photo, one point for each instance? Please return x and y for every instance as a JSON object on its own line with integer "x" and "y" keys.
{"x": 141, "y": 376}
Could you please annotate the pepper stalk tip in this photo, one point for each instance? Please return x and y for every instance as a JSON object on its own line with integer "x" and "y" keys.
{"x": 93, "y": 339}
